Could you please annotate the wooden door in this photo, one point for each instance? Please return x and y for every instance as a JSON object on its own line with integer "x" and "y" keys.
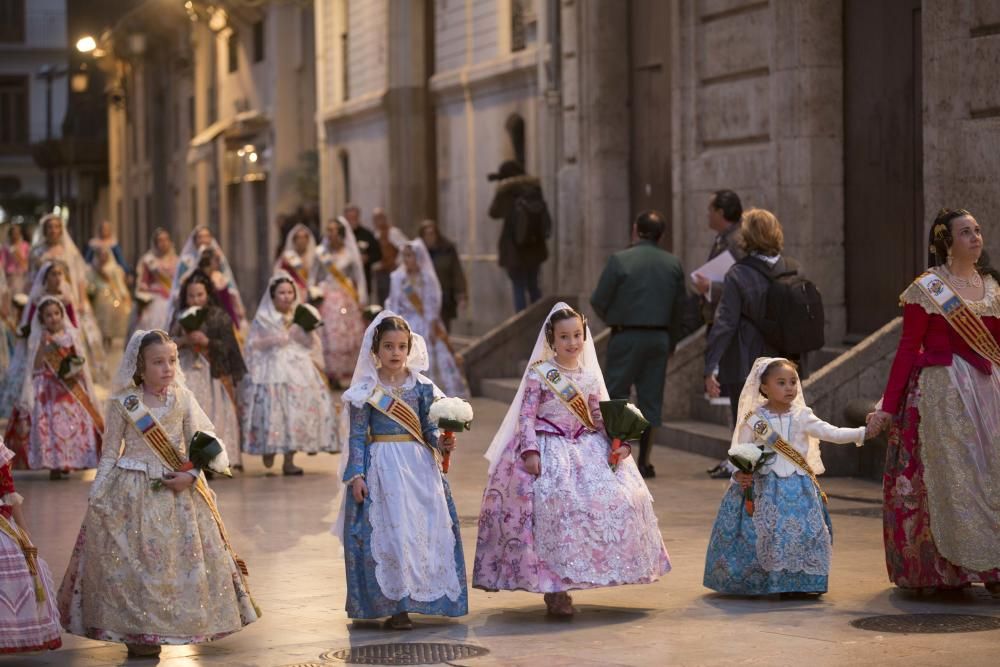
{"x": 883, "y": 176}
{"x": 649, "y": 103}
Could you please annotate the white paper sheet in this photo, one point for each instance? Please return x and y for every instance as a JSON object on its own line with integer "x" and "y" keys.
{"x": 715, "y": 269}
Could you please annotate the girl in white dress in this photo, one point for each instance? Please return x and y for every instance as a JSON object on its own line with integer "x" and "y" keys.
{"x": 288, "y": 405}
{"x": 415, "y": 293}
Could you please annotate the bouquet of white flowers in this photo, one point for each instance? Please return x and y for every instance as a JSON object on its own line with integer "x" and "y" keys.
{"x": 450, "y": 414}
{"x": 748, "y": 458}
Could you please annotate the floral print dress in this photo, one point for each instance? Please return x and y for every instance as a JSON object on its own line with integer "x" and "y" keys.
{"x": 579, "y": 524}
{"x": 150, "y": 565}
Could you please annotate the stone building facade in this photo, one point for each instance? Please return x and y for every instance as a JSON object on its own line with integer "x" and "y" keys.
{"x": 853, "y": 121}
{"x": 211, "y": 116}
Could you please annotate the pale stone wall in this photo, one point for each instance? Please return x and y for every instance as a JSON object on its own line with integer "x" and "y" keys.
{"x": 961, "y": 57}
{"x": 367, "y": 42}
{"x": 761, "y": 112}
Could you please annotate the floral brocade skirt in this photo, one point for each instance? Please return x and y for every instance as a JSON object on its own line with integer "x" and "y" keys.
{"x": 941, "y": 487}
{"x": 150, "y": 567}
{"x": 579, "y": 525}
{"x": 784, "y": 548}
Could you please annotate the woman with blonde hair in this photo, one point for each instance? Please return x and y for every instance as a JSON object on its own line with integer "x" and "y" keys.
{"x": 736, "y": 339}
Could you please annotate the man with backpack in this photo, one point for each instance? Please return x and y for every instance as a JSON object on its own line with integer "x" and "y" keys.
{"x": 768, "y": 308}
{"x": 518, "y": 201}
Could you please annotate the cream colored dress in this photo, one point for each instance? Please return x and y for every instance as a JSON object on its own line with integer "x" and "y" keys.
{"x": 150, "y": 566}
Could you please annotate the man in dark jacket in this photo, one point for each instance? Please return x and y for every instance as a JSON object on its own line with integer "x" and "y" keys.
{"x": 640, "y": 295}
{"x": 367, "y": 243}
{"x": 518, "y": 201}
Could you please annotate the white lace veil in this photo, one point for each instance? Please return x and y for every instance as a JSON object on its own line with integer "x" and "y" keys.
{"x": 124, "y": 378}
{"x": 37, "y": 291}
{"x": 353, "y": 253}
{"x": 27, "y": 396}
{"x": 187, "y": 262}
{"x": 71, "y": 254}
{"x": 366, "y": 372}
{"x": 751, "y": 399}
{"x": 541, "y": 351}
{"x": 431, "y": 291}
{"x": 309, "y": 259}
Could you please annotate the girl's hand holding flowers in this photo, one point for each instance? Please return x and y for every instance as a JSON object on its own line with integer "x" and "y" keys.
{"x": 178, "y": 481}
{"x": 533, "y": 464}
{"x": 744, "y": 479}
{"x": 197, "y": 338}
{"x": 447, "y": 441}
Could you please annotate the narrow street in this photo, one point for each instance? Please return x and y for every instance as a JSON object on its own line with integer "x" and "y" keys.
{"x": 281, "y": 527}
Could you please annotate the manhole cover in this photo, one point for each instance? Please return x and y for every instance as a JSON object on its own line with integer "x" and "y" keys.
{"x": 928, "y": 623}
{"x": 417, "y": 653}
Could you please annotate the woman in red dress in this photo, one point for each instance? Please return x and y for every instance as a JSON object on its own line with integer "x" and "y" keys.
{"x": 942, "y": 404}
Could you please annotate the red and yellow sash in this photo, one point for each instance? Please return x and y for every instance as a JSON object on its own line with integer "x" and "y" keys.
{"x": 953, "y": 308}
{"x": 156, "y": 437}
{"x": 327, "y": 260}
{"x": 400, "y": 412}
{"x": 16, "y": 533}
{"x": 768, "y": 436}
{"x": 52, "y": 357}
{"x": 293, "y": 263}
{"x": 566, "y": 391}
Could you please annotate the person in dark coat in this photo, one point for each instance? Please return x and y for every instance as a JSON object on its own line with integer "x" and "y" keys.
{"x": 734, "y": 342}
{"x": 448, "y": 268}
{"x": 640, "y": 295}
{"x": 367, "y": 243}
{"x": 724, "y": 213}
{"x": 518, "y": 201}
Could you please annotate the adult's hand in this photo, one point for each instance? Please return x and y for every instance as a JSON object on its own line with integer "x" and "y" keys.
{"x": 877, "y": 421}
{"x": 712, "y": 386}
{"x": 701, "y": 284}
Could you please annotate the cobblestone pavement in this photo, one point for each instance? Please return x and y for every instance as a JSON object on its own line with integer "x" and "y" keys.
{"x": 281, "y": 527}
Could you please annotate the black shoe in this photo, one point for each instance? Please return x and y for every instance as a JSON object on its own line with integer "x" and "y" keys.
{"x": 647, "y": 471}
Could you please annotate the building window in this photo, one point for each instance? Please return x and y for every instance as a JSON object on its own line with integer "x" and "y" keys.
{"x": 345, "y": 174}
{"x": 194, "y": 205}
{"x": 344, "y": 69}
{"x": 14, "y": 134}
{"x": 523, "y": 24}
{"x": 258, "y": 41}
{"x": 190, "y": 115}
{"x": 515, "y": 132}
{"x": 233, "y": 51}
{"x": 12, "y": 20}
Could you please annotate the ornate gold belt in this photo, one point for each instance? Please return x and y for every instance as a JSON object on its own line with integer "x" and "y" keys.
{"x": 393, "y": 437}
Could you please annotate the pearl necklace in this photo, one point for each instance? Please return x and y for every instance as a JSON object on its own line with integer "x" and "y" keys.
{"x": 976, "y": 281}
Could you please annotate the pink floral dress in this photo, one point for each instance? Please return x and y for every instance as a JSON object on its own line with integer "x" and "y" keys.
{"x": 595, "y": 527}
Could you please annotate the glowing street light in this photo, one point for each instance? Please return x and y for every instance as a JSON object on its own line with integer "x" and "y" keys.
{"x": 86, "y": 44}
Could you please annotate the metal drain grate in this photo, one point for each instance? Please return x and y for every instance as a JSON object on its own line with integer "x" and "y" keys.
{"x": 928, "y": 623}
{"x": 416, "y": 653}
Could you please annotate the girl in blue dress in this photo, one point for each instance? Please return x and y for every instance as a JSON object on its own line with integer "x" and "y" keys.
{"x": 398, "y": 561}
{"x": 785, "y": 545}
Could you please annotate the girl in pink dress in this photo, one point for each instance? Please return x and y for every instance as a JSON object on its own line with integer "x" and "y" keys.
{"x": 56, "y": 424}
{"x": 555, "y": 517}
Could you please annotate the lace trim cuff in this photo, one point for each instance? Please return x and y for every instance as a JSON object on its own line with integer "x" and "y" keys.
{"x": 13, "y": 499}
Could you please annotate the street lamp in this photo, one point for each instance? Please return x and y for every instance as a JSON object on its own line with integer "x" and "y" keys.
{"x": 86, "y": 44}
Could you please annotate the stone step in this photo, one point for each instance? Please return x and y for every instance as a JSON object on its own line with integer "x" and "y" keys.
{"x": 703, "y": 411}
{"x": 499, "y": 389}
{"x": 461, "y": 342}
{"x": 699, "y": 437}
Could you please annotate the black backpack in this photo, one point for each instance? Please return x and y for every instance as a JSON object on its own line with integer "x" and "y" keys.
{"x": 532, "y": 223}
{"x": 793, "y": 320}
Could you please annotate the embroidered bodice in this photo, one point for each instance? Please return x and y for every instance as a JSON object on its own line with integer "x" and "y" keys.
{"x": 796, "y": 427}
{"x": 542, "y": 412}
{"x": 181, "y": 417}
{"x": 366, "y": 420}
{"x": 929, "y": 340}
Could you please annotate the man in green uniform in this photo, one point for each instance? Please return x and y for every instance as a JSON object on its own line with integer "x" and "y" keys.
{"x": 641, "y": 296}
